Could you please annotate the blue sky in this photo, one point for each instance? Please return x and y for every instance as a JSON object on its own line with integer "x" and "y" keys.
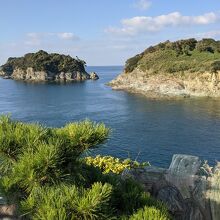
{"x": 102, "y": 32}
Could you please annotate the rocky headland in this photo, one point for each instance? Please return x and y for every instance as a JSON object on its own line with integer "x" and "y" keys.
{"x": 185, "y": 68}
{"x": 42, "y": 66}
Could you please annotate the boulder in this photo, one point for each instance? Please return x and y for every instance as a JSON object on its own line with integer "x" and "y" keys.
{"x": 94, "y": 76}
{"x": 184, "y": 165}
{"x": 188, "y": 194}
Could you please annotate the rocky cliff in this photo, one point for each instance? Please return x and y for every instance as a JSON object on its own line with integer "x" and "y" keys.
{"x": 182, "y": 68}
{"x": 42, "y": 66}
{"x": 190, "y": 189}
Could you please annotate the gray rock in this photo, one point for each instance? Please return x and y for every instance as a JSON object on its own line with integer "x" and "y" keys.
{"x": 148, "y": 176}
{"x": 2, "y": 73}
{"x": 69, "y": 76}
{"x": 173, "y": 199}
{"x": 8, "y": 212}
{"x": 62, "y": 76}
{"x": 30, "y": 75}
{"x": 214, "y": 195}
{"x": 188, "y": 195}
{"x": 6, "y": 77}
{"x": 94, "y": 76}
{"x": 184, "y": 164}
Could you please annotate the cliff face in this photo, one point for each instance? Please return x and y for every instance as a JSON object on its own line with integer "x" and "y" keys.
{"x": 42, "y": 66}
{"x": 30, "y": 75}
{"x": 166, "y": 85}
{"x": 182, "y": 68}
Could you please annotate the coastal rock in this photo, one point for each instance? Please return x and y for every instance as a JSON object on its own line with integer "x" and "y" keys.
{"x": 8, "y": 212}
{"x": 94, "y": 76}
{"x": 184, "y": 165}
{"x": 2, "y": 73}
{"x": 165, "y": 85}
{"x": 31, "y": 75}
{"x": 214, "y": 193}
{"x": 188, "y": 194}
{"x": 6, "y": 77}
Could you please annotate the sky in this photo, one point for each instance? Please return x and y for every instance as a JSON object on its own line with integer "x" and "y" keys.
{"x": 102, "y": 32}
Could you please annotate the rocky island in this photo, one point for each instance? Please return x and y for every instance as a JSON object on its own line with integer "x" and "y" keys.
{"x": 184, "y": 68}
{"x": 42, "y": 66}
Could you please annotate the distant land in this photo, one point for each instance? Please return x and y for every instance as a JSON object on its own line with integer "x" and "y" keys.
{"x": 42, "y": 66}
{"x": 183, "y": 68}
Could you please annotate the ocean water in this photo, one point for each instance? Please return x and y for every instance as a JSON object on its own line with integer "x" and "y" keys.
{"x": 143, "y": 129}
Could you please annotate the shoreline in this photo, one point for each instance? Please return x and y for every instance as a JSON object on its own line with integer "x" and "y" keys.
{"x": 168, "y": 86}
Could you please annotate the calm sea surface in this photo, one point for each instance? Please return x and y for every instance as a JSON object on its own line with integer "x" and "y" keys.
{"x": 150, "y": 130}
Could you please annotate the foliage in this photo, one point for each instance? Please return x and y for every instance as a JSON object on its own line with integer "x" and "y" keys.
{"x": 150, "y": 213}
{"x": 129, "y": 196}
{"x": 132, "y": 63}
{"x": 180, "y": 56}
{"x": 43, "y": 173}
{"x": 206, "y": 45}
{"x": 69, "y": 202}
{"x": 34, "y": 155}
{"x": 215, "y": 66}
{"x": 42, "y": 61}
{"x": 115, "y": 165}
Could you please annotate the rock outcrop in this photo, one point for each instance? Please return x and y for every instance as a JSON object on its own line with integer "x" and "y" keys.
{"x": 190, "y": 191}
{"x": 94, "y": 76}
{"x": 164, "y": 85}
{"x": 30, "y": 75}
{"x": 42, "y": 66}
{"x": 174, "y": 69}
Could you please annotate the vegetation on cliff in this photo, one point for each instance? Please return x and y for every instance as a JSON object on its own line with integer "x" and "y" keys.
{"x": 174, "y": 57}
{"x": 43, "y": 172}
{"x": 43, "y": 61}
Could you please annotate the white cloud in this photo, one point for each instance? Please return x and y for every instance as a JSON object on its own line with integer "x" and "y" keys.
{"x": 33, "y": 39}
{"x": 142, "y": 4}
{"x": 67, "y": 36}
{"x": 209, "y": 34}
{"x": 139, "y": 24}
{"x": 36, "y": 39}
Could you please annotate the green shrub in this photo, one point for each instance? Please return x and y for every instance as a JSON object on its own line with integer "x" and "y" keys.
{"x": 128, "y": 196}
{"x": 206, "y": 45}
{"x": 180, "y": 56}
{"x": 33, "y": 155}
{"x": 69, "y": 202}
{"x": 132, "y": 63}
{"x": 215, "y": 66}
{"x": 150, "y": 213}
{"x": 43, "y": 173}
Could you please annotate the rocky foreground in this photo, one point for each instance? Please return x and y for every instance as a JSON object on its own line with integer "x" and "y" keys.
{"x": 183, "y": 68}
{"x": 190, "y": 189}
{"x": 42, "y": 66}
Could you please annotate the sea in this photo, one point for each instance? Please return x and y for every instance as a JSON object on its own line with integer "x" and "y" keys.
{"x": 141, "y": 129}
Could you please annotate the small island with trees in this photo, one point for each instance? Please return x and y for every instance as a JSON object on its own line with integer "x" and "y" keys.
{"x": 170, "y": 69}
{"x": 42, "y": 66}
